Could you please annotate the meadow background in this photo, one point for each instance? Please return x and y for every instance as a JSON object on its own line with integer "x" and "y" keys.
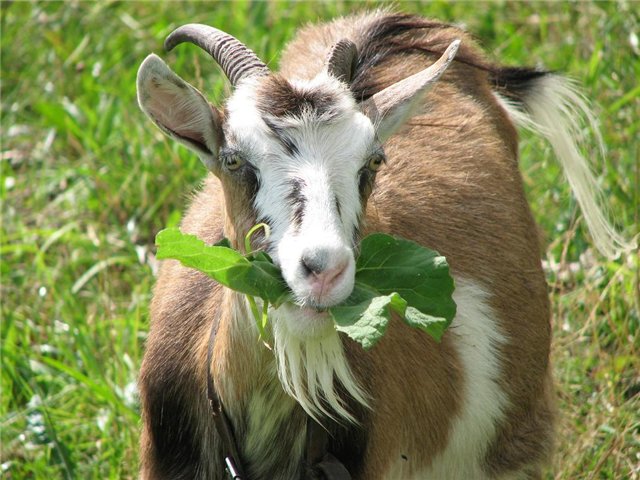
{"x": 87, "y": 182}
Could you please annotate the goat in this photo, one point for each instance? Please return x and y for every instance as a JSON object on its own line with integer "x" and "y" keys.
{"x": 355, "y": 134}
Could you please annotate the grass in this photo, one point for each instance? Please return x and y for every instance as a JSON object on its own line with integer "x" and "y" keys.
{"x": 87, "y": 182}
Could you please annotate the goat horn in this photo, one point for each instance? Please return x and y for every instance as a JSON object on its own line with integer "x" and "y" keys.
{"x": 235, "y": 59}
{"x": 341, "y": 61}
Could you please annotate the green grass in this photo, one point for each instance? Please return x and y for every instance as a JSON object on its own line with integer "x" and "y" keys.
{"x": 87, "y": 182}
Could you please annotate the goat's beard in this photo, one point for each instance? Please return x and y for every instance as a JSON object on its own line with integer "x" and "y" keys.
{"x": 310, "y": 370}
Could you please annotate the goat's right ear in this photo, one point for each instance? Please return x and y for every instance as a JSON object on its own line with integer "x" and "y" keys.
{"x": 179, "y": 109}
{"x": 389, "y": 108}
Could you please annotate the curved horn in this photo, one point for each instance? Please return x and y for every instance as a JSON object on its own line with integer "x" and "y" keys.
{"x": 341, "y": 61}
{"x": 235, "y": 59}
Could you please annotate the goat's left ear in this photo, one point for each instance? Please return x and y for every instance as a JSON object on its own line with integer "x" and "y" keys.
{"x": 391, "y": 107}
{"x": 179, "y": 109}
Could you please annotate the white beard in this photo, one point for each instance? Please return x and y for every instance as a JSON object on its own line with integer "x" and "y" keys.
{"x": 308, "y": 365}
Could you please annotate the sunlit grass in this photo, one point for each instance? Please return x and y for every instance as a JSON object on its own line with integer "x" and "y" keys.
{"x": 87, "y": 182}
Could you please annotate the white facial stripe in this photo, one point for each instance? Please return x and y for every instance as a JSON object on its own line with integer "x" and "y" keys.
{"x": 309, "y": 171}
{"x": 309, "y": 193}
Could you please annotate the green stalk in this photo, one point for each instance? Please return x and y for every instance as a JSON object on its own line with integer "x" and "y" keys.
{"x": 247, "y": 238}
{"x": 265, "y": 310}
{"x": 261, "y": 320}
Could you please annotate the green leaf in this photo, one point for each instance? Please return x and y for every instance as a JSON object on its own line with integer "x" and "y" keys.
{"x": 399, "y": 275}
{"x": 392, "y": 275}
{"x": 257, "y": 277}
{"x": 434, "y": 326}
{"x": 222, "y": 243}
{"x": 419, "y": 275}
{"x": 365, "y": 322}
{"x": 267, "y": 279}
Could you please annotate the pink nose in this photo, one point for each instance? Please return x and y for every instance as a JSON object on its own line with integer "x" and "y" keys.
{"x": 324, "y": 270}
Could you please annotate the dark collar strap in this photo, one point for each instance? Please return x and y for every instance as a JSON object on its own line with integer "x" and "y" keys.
{"x": 220, "y": 419}
{"x": 322, "y": 464}
{"x": 332, "y": 469}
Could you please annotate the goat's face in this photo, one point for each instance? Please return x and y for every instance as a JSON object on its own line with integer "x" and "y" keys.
{"x": 313, "y": 155}
{"x": 300, "y": 156}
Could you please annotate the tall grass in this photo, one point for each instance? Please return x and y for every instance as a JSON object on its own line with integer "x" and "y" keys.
{"x": 87, "y": 182}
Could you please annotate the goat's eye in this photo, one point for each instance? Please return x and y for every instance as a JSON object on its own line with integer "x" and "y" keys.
{"x": 233, "y": 161}
{"x": 375, "y": 162}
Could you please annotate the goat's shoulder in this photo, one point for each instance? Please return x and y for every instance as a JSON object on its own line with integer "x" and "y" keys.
{"x": 180, "y": 290}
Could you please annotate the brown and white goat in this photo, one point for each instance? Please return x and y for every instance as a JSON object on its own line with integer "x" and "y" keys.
{"x": 354, "y": 135}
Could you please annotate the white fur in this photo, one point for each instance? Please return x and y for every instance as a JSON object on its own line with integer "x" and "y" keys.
{"x": 267, "y": 411}
{"x": 308, "y": 364}
{"x": 556, "y": 110}
{"x": 331, "y": 155}
{"x": 309, "y": 367}
{"x": 476, "y": 335}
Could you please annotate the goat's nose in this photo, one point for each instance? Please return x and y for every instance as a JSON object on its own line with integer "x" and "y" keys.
{"x": 314, "y": 263}
{"x": 323, "y": 268}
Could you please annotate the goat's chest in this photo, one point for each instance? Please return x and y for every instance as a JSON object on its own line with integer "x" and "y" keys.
{"x": 271, "y": 433}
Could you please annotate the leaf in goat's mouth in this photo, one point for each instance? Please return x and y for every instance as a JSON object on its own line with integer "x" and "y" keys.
{"x": 393, "y": 275}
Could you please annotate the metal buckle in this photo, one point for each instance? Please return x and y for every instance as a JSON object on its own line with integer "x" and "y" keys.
{"x": 232, "y": 469}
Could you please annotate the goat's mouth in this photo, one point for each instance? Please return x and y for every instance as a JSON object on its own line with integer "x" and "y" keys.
{"x": 305, "y": 322}
{"x": 311, "y": 305}
{"x": 312, "y": 310}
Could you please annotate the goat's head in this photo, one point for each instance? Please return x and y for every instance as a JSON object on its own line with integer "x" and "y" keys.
{"x": 298, "y": 155}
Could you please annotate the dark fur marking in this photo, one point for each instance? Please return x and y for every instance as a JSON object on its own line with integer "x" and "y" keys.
{"x": 251, "y": 180}
{"x": 278, "y": 98}
{"x": 349, "y": 443}
{"x": 297, "y": 201}
{"x": 386, "y": 40}
{"x": 281, "y": 136}
{"x": 380, "y": 46}
{"x": 175, "y": 437}
{"x": 365, "y": 184}
{"x": 515, "y": 82}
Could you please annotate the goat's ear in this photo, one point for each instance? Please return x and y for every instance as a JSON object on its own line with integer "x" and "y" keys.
{"x": 179, "y": 109}
{"x": 391, "y": 107}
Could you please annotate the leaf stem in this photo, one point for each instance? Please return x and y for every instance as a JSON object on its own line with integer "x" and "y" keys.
{"x": 265, "y": 311}
{"x": 256, "y": 314}
{"x": 260, "y": 319}
{"x": 252, "y": 230}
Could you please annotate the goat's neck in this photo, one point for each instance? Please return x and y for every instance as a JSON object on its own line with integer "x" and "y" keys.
{"x": 241, "y": 361}
{"x": 270, "y": 430}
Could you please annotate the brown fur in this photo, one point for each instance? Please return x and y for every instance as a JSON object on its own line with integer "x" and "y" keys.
{"x": 451, "y": 183}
